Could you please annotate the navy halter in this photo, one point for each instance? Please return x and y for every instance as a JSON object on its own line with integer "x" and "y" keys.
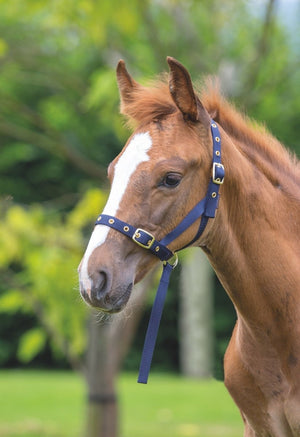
{"x": 205, "y": 209}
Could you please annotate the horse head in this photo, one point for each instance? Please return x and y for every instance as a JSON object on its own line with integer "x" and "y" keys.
{"x": 158, "y": 177}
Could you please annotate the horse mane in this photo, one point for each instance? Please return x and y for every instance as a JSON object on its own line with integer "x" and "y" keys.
{"x": 253, "y": 137}
{"x": 154, "y": 102}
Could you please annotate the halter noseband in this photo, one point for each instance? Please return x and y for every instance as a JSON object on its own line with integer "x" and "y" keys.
{"x": 205, "y": 209}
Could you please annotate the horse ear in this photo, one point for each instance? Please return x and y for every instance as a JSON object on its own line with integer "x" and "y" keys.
{"x": 126, "y": 83}
{"x": 183, "y": 94}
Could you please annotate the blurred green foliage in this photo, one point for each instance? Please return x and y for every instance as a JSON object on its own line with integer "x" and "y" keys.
{"x": 40, "y": 252}
{"x": 60, "y": 127}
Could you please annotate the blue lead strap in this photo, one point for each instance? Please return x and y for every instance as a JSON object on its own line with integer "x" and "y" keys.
{"x": 153, "y": 325}
{"x": 205, "y": 209}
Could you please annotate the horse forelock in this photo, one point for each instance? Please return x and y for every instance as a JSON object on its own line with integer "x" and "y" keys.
{"x": 149, "y": 103}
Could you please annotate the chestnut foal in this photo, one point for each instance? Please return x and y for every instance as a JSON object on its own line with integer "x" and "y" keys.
{"x": 252, "y": 243}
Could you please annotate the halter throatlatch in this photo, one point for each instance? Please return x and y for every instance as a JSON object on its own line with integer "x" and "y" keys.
{"x": 205, "y": 209}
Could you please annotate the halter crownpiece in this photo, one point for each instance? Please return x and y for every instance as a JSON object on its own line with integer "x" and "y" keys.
{"x": 205, "y": 209}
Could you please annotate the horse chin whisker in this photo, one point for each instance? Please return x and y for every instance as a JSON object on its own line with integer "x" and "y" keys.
{"x": 102, "y": 318}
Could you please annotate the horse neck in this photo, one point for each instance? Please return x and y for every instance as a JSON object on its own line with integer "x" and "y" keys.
{"x": 252, "y": 243}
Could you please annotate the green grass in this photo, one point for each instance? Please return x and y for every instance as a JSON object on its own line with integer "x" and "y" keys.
{"x": 38, "y": 404}
{"x": 52, "y": 404}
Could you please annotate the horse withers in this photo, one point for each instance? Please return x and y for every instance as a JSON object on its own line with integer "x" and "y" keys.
{"x": 252, "y": 242}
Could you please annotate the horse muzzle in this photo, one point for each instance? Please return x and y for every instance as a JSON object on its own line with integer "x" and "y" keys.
{"x": 98, "y": 291}
{"x": 105, "y": 284}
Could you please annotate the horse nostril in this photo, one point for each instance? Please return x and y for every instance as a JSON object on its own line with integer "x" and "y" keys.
{"x": 101, "y": 284}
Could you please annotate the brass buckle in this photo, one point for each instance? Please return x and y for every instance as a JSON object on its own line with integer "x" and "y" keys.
{"x": 137, "y": 235}
{"x": 217, "y": 180}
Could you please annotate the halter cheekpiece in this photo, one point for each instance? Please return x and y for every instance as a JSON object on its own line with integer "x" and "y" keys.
{"x": 205, "y": 209}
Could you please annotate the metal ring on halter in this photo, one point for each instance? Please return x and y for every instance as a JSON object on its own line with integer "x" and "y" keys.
{"x": 172, "y": 261}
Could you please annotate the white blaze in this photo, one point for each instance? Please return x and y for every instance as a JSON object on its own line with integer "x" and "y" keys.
{"x": 134, "y": 154}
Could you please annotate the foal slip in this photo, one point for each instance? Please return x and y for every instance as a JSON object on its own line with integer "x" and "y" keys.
{"x": 205, "y": 209}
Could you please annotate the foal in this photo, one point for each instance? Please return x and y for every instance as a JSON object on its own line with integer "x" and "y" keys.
{"x": 252, "y": 243}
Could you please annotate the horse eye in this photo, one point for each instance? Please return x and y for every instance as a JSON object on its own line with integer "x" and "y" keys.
{"x": 171, "y": 180}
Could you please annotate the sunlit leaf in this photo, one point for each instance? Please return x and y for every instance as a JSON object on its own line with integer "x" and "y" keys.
{"x": 31, "y": 343}
{"x": 12, "y": 301}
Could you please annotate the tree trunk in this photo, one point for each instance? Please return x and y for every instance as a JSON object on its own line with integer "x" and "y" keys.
{"x": 109, "y": 342}
{"x": 102, "y": 403}
{"x": 196, "y": 315}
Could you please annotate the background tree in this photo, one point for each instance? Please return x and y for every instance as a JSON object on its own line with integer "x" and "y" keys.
{"x": 196, "y": 315}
